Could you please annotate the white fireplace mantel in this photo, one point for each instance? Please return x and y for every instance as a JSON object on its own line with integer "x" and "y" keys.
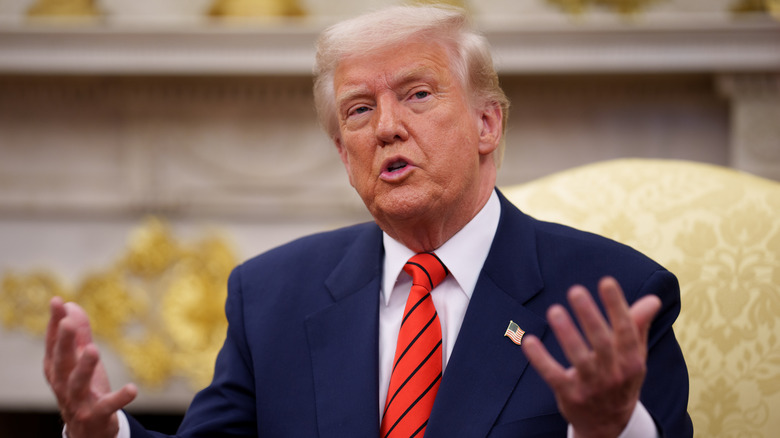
{"x": 620, "y": 47}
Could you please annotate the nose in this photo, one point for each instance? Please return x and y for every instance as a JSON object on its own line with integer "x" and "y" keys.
{"x": 390, "y": 127}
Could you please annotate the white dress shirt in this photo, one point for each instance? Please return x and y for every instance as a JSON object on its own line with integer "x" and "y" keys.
{"x": 464, "y": 255}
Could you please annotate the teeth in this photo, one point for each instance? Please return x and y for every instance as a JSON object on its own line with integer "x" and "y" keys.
{"x": 396, "y": 166}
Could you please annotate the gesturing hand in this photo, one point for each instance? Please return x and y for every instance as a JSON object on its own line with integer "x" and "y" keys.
{"x": 599, "y": 392}
{"x": 76, "y": 375}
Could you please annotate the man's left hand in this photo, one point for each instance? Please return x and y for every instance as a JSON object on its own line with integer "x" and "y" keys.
{"x": 599, "y": 392}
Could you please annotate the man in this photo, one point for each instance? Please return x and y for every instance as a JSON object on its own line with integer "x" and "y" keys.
{"x": 317, "y": 338}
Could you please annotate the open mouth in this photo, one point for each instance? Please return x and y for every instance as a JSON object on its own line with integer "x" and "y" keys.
{"x": 396, "y": 165}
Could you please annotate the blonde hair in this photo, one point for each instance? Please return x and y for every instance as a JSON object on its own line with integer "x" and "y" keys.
{"x": 469, "y": 53}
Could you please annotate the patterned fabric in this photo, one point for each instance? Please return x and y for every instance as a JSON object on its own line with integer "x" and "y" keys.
{"x": 417, "y": 365}
{"x": 718, "y": 230}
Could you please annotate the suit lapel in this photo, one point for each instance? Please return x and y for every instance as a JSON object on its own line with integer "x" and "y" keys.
{"x": 343, "y": 340}
{"x": 485, "y": 366}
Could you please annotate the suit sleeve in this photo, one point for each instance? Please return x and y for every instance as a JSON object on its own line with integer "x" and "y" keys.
{"x": 226, "y": 408}
{"x": 665, "y": 390}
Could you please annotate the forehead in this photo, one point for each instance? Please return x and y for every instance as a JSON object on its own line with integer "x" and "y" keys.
{"x": 392, "y": 66}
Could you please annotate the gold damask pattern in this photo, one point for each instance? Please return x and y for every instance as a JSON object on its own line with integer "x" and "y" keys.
{"x": 160, "y": 307}
{"x": 718, "y": 230}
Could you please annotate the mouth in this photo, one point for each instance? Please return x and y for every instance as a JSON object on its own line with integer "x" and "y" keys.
{"x": 396, "y": 166}
{"x": 395, "y": 169}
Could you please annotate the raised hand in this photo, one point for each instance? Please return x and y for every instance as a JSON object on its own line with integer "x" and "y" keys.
{"x": 76, "y": 375}
{"x": 598, "y": 393}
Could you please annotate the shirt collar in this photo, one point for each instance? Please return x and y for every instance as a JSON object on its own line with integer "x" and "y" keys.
{"x": 464, "y": 254}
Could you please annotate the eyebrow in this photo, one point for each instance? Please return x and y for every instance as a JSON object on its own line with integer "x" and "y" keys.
{"x": 350, "y": 95}
{"x": 420, "y": 72}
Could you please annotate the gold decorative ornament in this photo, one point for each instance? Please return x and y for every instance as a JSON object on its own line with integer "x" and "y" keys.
{"x": 770, "y": 7}
{"x": 456, "y": 3}
{"x": 63, "y": 8}
{"x": 160, "y": 306}
{"x": 24, "y": 300}
{"x": 626, "y": 7}
{"x": 256, "y": 8}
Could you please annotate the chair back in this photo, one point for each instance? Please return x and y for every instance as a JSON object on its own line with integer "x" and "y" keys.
{"x": 718, "y": 230}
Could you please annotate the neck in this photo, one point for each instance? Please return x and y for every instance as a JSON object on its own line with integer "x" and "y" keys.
{"x": 430, "y": 231}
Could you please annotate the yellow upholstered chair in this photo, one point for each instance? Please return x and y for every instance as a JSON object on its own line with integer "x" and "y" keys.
{"x": 718, "y": 230}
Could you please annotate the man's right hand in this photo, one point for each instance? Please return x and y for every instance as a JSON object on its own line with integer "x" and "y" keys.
{"x": 76, "y": 375}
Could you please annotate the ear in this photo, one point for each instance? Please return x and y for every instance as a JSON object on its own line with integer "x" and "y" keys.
{"x": 491, "y": 126}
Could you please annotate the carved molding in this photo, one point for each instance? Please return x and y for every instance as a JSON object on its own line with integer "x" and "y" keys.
{"x": 290, "y": 92}
{"x": 519, "y": 47}
{"x": 755, "y": 112}
{"x": 210, "y": 146}
{"x": 750, "y": 86}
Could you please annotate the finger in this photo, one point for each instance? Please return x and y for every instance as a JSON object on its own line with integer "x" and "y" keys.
{"x": 614, "y": 300}
{"x": 81, "y": 323}
{"x": 64, "y": 359}
{"x": 623, "y": 326}
{"x": 593, "y": 324}
{"x": 643, "y": 312}
{"x": 57, "y": 311}
{"x": 80, "y": 378}
{"x": 551, "y": 371}
{"x": 630, "y": 325}
{"x": 574, "y": 347}
{"x": 114, "y": 401}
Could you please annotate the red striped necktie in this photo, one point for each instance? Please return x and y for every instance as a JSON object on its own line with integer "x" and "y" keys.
{"x": 417, "y": 364}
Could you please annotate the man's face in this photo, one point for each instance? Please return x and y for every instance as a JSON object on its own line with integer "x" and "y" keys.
{"x": 411, "y": 142}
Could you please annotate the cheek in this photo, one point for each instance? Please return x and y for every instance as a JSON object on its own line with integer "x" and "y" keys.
{"x": 458, "y": 143}
{"x": 357, "y": 161}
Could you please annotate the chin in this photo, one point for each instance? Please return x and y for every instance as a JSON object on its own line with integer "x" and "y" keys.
{"x": 403, "y": 202}
{"x": 401, "y": 210}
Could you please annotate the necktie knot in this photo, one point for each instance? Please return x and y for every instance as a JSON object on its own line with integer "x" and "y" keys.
{"x": 426, "y": 269}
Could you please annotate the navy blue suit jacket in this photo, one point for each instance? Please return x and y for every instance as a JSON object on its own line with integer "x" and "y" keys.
{"x": 300, "y": 358}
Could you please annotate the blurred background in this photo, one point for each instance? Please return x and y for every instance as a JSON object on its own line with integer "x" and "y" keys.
{"x": 147, "y": 146}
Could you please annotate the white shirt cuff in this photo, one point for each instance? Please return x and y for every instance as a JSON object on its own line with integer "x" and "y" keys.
{"x": 641, "y": 425}
{"x": 124, "y": 426}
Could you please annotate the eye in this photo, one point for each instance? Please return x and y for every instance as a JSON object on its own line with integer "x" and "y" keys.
{"x": 357, "y": 110}
{"x": 421, "y": 94}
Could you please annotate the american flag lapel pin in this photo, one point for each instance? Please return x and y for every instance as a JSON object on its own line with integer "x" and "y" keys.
{"x": 514, "y": 333}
